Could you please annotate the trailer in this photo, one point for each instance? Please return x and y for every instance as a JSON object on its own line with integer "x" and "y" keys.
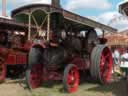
{"x": 62, "y": 45}
{"x": 12, "y": 50}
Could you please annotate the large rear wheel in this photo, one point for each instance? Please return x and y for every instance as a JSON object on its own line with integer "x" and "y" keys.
{"x": 101, "y": 64}
{"x": 71, "y": 78}
{"x": 34, "y": 69}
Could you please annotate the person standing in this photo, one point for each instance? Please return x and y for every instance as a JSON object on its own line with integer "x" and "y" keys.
{"x": 116, "y": 57}
{"x": 124, "y": 63}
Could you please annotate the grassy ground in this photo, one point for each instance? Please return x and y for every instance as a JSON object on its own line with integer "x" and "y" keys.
{"x": 18, "y": 88}
{"x": 86, "y": 89}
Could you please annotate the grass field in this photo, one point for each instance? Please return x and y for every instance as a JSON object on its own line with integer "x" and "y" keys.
{"x": 18, "y": 88}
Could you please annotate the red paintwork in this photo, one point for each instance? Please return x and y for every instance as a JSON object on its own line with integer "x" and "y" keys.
{"x": 11, "y": 59}
{"x": 3, "y": 55}
{"x": 51, "y": 75}
{"x": 82, "y": 64}
{"x": 16, "y": 58}
{"x": 4, "y": 52}
{"x": 19, "y": 57}
{"x": 38, "y": 74}
{"x": 73, "y": 79}
{"x": 27, "y": 46}
{"x": 35, "y": 78}
{"x": 105, "y": 65}
{"x": 3, "y": 72}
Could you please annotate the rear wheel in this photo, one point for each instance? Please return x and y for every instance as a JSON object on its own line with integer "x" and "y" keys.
{"x": 35, "y": 68}
{"x": 71, "y": 78}
{"x": 101, "y": 64}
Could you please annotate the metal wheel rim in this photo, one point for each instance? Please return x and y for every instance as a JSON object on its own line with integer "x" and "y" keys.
{"x": 72, "y": 79}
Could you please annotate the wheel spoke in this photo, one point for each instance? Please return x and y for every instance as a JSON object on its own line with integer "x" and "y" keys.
{"x": 69, "y": 79}
{"x": 106, "y": 68}
{"x": 102, "y": 60}
{"x": 106, "y": 57}
{"x": 106, "y": 75}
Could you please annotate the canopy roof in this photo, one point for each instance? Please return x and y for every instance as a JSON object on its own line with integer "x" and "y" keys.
{"x": 41, "y": 10}
{"x": 117, "y": 39}
{"x": 10, "y": 24}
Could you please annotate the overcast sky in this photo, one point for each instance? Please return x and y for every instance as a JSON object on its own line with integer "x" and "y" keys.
{"x": 100, "y": 10}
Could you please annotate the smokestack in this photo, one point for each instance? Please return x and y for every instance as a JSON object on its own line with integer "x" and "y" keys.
{"x": 56, "y": 3}
{"x": 3, "y": 7}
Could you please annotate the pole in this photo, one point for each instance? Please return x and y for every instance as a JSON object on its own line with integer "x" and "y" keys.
{"x": 3, "y": 7}
{"x": 103, "y": 33}
{"x": 29, "y": 27}
{"x": 48, "y": 27}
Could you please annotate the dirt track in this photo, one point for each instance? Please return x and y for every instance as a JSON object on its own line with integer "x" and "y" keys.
{"x": 18, "y": 88}
{"x": 13, "y": 88}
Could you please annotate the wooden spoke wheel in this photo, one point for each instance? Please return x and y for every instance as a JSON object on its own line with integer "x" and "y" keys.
{"x": 35, "y": 69}
{"x": 71, "y": 78}
{"x": 101, "y": 64}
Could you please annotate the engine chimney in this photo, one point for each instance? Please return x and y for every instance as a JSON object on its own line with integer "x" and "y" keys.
{"x": 56, "y": 3}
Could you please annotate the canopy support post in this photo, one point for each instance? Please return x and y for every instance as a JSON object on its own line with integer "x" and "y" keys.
{"x": 29, "y": 27}
{"x": 103, "y": 34}
{"x": 48, "y": 27}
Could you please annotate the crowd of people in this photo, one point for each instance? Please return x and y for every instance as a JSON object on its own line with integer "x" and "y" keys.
{"x": 120, "y": 61}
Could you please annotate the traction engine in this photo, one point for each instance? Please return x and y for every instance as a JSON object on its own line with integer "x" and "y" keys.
{"x": 63, "y": 44}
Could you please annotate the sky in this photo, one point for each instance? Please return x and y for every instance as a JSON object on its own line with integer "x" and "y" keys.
{"x": 104, "y": 11}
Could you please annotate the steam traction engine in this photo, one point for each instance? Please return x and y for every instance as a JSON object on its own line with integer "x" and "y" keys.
{"x": 13, "y": 48}
{"x": 63, "y": 44}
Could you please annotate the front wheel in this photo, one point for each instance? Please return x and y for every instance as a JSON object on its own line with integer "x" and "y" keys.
{"x": 35, "y": 68}
{"x": 71, "y": 78}
{"x": 33, "y": 76}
